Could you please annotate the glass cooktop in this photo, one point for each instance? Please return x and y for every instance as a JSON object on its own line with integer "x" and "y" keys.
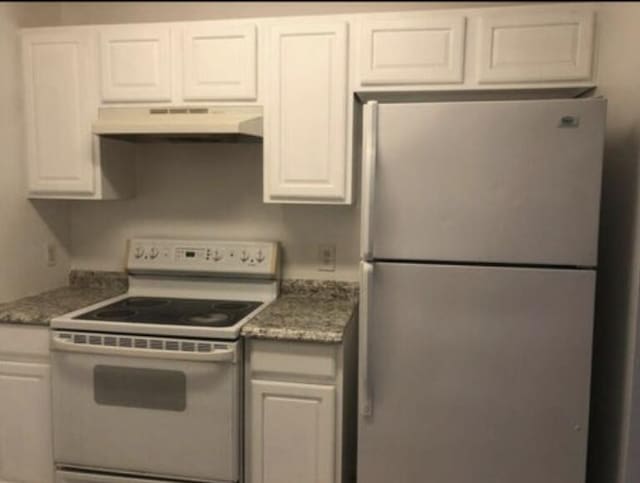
{"x": 170, "y": 311}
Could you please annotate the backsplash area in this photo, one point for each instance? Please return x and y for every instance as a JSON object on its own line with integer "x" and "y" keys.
{"x": 212, "y": 191}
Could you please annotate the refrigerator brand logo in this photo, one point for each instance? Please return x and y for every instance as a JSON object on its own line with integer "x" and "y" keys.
{"x": 569, "y": 121}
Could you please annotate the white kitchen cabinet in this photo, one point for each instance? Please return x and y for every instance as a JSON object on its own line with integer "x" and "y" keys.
{"x": 306, "y": 155}
{"x": 535, "y": 47}
{"x": 300, "y": 411}
{"x": 293, "y": 434}
{"x": 305, "y": 72}
{"x": 417, "y": 49}
{"x": 63, "y": 157}
{"x": 26, "y": 454}
{"x": 136, "y": 63}
{"x": 60, "y": 106}
{"x": 219, "y": 62}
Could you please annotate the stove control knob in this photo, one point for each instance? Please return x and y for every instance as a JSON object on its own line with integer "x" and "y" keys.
{"x": 217, "y": 256}
{"x": 260, "y": 256}
{"x": 244, "y": 256}
{"x": 138, "y": 252}
{"x": 154, "y": 253}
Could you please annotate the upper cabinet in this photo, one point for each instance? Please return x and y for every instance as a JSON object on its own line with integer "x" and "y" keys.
{"x": 135, "y": 63}
{"x": 60, "y": 106}
{"x": 305, "y": 72}
{"x": 219, "y": 62}
{"x": 306, "y": 130}
{"x": 423, "y": 49}
{"x": 537, "y": 47}
{"x": 176, "y": 63}
{"x": 511, "y": 47}
{"x": 61, "y": 102}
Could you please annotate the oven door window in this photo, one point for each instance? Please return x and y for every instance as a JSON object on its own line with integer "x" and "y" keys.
{"x": 140, "y": 388}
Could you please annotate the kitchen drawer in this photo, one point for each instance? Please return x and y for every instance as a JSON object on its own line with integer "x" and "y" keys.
{"x": 78, "y": 477}
{"x": 24, "y": 342}
{"x": 292, "y": 360}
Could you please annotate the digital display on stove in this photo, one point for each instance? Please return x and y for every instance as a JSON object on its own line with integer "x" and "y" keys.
{"x": 191, "y": 254}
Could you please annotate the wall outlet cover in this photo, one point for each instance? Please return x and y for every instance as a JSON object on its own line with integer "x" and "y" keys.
{"x": 51, "y": 253}
{"x": 327, "y": 257}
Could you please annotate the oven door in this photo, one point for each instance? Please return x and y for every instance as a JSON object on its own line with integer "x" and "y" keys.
{"x": 149, "y": 405}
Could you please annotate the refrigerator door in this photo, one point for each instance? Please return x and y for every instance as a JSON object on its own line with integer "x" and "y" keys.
{"x": 476, "y": 374}
{"x": 501, "y": 181}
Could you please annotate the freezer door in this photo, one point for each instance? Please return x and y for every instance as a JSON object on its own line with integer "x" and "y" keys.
{"x": 505, "y": 182}
{"x": 476, "y": 375}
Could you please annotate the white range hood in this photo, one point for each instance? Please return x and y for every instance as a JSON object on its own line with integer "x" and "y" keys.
{"x": 181, "y": 124}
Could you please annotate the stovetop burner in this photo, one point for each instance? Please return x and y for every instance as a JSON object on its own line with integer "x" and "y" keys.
{"x": 170, "y": 311}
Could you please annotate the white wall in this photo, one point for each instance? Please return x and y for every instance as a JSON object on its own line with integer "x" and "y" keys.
{"x": 211, "y": 191}
{"x": 612, "y": 458}
{"x": 76, "y": 13}
{"x": 25, "y": 227}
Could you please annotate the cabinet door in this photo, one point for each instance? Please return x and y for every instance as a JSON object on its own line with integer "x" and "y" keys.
{"x": 306, "y": 117}
{"x": 25, "y": 423}
{"x": 423, "y": 50}
{"x": 219, "y": 62}
{"x": 60, "y": 105}
{"x": 292, "y": 433}
{"x": 535, "y": 47}
{"x": 136, "y": 63}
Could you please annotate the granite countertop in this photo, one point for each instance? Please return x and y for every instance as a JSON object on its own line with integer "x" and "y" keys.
{"x": 308, "y": 311}
{"x": 85, "y": 288}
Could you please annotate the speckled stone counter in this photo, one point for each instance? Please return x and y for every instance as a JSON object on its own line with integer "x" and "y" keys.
{"x": 85, "y": 288}
{"x": 307, "y": 311}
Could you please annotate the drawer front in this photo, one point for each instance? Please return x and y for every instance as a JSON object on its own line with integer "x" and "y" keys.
{"x": 24, "y": 342}
{"x": 81, "y": 477}
{"x": 292, "y": 360}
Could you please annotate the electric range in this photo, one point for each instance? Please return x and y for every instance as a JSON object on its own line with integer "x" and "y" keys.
{"x": 185, "y": 288}
{"x": 147, "y": 386}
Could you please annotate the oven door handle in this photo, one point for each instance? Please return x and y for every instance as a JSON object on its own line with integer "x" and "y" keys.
{"x": 219, "y": 355}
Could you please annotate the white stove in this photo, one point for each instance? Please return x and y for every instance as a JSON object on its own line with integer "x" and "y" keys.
{"x": 204, "y": 289}
{"x": 147, "y": 386}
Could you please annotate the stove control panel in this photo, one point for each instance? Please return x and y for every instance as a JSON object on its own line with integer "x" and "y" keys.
{"x": 257, "y": 259}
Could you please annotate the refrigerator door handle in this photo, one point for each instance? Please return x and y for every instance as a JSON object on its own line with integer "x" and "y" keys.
{"x": 364, "y": 389}
{"x": 369, "y": 153}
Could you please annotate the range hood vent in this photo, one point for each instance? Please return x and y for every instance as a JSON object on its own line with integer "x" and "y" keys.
{"x": 226, "y": 124}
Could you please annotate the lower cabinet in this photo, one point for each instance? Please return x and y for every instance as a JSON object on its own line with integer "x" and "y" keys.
{"x": 26, "y": 454}
{"x": 293, "y": 432}
{"x": 300, "y": 412}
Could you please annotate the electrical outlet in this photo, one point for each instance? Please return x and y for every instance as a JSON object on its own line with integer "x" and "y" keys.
{"x": 52, "y": 255}
{"x": 327, "y": 257}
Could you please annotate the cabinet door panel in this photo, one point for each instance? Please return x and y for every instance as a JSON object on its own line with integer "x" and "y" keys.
{"x": 219, "y": 63}
{"x": 59, "y": 108}
{"x": 535, "y": 47}
{"x": 136, "y": 63}
{"x": 412, "y": 50}
{"x": 25, "y": 423}
{"x": 292, "y": 433}
{"x": 306, "y": 119}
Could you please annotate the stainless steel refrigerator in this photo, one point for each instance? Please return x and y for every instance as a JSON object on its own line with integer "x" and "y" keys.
{"x": 479, "y": 250}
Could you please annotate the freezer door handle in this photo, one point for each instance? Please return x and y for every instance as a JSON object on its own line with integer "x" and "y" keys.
{"x": 369, "y": 153}
{"x": 364, "y": 390}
